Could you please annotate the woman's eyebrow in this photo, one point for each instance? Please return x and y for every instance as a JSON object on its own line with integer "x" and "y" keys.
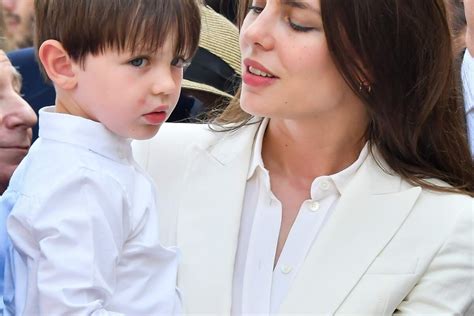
{"x": 300, "y": 5}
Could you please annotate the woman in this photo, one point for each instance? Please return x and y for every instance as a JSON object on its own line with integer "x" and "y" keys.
{"x": 339, "y": 182}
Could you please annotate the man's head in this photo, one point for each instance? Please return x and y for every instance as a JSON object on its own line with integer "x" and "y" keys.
{"x": 16, "y": 120}
{"x": 18, "y": 16}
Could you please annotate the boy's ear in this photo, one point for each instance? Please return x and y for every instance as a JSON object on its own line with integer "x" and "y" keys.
{"x": 57, "y": 64}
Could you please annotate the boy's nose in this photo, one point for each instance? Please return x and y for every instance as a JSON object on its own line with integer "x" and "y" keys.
{"x": 166, "y": 83}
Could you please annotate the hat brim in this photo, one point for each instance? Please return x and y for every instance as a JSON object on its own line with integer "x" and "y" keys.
{"x": 204, "y": 87}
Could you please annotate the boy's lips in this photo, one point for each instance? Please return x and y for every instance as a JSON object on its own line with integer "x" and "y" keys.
{"x": 158, "y": 115}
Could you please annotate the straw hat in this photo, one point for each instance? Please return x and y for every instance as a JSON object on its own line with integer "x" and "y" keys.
{"x": 219, "y": 38}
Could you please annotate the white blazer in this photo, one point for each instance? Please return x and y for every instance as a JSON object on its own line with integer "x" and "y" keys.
{"x": 389, "y": 247}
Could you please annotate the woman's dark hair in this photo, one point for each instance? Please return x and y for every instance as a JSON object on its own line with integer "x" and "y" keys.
{"x": 402, "y": 48}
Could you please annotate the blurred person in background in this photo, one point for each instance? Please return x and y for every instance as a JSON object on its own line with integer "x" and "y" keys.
{"x": 16, "y": 120}
{"x": 18, "y": 16}
{"x": 227, "y": 8}
{"x": 467, "y": 71}
{"x": 214, "y": 74}
{"x": 457, "y": 23}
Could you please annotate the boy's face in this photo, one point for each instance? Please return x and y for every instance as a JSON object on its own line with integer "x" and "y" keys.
{"x": 132, "y": 95}
{"x": 16, "y": 120}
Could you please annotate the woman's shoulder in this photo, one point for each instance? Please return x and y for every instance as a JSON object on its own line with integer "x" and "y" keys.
{"x": 175, "y": 141}
{"x": 443, "y": 200}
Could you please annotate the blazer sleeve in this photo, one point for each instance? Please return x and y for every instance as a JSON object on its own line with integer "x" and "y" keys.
{"x": 447, "y": 286}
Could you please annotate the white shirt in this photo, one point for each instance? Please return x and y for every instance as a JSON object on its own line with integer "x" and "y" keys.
{"x": 84, "y": 226}
{"x": 257, "y": 287}
{"x": 467, "y": 72}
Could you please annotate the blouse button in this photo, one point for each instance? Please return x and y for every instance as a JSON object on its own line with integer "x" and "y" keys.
{"x": 285, "y": 269}
{"x": 324, "y": 185}
{"x": 314, "y": 206}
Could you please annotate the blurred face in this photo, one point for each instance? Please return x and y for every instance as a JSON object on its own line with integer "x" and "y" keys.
{"x": 19, "y": 16}
{"x": 287, "y": 69}
{"x": 16, "y": 120}
{"x": 132, "y": 95}
{"x": 469, "y": 11}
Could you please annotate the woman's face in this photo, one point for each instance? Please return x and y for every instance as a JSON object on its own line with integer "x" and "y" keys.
{"x": 287, "y": 70}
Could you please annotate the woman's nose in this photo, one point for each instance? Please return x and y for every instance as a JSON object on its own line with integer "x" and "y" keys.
{"x": 258, "y": 30}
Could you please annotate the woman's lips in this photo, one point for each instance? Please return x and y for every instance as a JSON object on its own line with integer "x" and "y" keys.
{"x": 259, "y": 77}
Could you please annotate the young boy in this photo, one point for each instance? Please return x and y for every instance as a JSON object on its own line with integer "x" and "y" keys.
{"x": 83, "y": 219}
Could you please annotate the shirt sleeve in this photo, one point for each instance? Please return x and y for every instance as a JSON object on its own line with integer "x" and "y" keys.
{"x": 447, "y": 286}
{"x": 75, "y": 236}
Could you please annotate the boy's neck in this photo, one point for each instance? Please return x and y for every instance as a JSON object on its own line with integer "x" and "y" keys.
{"x": 67, "y": 105}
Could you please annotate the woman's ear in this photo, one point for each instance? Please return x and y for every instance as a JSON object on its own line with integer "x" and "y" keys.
{"x": 58, "y": 65}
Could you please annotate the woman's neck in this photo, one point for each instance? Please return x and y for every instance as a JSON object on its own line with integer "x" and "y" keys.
{"x": 312, "y": 148}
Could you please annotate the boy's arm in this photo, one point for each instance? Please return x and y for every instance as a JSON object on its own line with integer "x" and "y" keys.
{"x": 79, "y": 230}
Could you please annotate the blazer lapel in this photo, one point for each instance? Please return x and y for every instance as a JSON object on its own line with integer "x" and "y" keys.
{"x": 369, "y": 213}
{"x": 209, "y": 221}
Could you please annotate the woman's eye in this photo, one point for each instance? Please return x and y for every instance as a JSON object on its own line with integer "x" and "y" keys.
{"x": 180, "y": 62}
{"x": 300, "y": 28}
{"x": 139, "y": 62}
{"x": 255, "y": 9}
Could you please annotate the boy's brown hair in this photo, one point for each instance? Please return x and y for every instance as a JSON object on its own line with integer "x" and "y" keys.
{"x": 90, "y": 26}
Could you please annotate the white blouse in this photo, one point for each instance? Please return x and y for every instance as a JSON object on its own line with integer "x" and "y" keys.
{"x": 258, "y": 288}
{"x": 84, "y": 226}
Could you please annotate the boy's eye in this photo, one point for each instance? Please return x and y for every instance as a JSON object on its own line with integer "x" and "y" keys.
{"x": 139, "y": 62}
{"x": 255, "y": 9}
{"x": 180, "y": 62}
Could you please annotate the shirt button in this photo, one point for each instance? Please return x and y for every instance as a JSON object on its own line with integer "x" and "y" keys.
{"x": 286, "y": 269}
{"x": 314, "y": 206}
{"x": 324, "y": 185}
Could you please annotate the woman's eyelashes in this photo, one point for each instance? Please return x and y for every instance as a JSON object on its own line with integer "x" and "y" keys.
{"x": 300, "y": 28}
{"x": 295, "y": 26}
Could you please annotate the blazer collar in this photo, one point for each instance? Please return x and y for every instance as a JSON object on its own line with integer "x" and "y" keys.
{"x": 209, "y": 219}
{"x": 369, "y": 213}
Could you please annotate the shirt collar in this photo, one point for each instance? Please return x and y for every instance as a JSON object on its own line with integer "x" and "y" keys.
{"x": 468, "y": 80}
{"x": 84, "y": 133}
{"x": 340, "y": 179}
{"x": 256, "y": 161}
